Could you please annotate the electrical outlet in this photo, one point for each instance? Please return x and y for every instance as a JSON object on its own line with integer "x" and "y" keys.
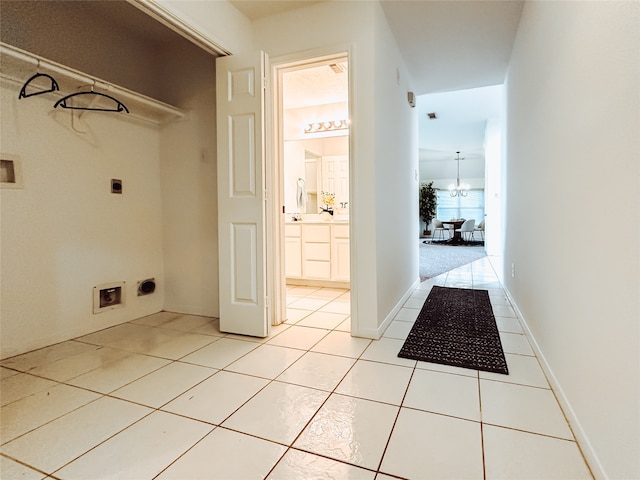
{"x": 513, "y": 270}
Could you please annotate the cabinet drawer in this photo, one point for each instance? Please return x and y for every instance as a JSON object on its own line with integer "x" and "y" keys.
{"x": 292, "y": 230}
{"x": 317, "y": 251}
{"x": 316, "y": 233}
{"x": 341, "y": 231}
{"x": 320, "y": 270}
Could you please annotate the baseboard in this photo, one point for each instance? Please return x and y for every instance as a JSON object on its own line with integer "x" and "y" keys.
{"x": 377, "y": 333}
{"x": 584, "y": 444}
{"x": 317, "y": 283}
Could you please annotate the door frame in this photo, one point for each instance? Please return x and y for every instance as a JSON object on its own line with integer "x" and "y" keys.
{"x": 274, "y": 175}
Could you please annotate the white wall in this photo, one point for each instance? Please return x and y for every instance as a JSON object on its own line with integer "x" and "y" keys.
{"x": 493, "y": 187}
{"x": 396, "y": 173}
{"x": 572, "y": 137}
{"x": 379, "y": 145}
{"x": 189, "y": 190}
{"x": 64, "y": 232}
{"x": 190, "y": 227}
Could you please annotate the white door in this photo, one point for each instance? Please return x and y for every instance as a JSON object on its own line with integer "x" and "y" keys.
{"x": 240, "y": 93}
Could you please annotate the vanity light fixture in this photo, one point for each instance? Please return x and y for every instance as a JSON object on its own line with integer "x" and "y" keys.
{"x": 459, "y": 189}
{"x": 327, "y": 126}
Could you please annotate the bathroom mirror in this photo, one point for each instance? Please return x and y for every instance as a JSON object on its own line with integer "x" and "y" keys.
{"x": 319, "y": 165}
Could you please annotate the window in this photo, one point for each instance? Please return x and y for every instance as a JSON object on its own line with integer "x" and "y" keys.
{"x": 471, "y": 206}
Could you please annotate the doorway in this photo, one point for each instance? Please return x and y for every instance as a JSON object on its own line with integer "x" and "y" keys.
{"x": 313, "y": 150}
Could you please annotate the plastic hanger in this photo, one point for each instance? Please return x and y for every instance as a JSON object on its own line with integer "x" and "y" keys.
{"x": 53, "y": 88}
{"x": 119, "y": 106}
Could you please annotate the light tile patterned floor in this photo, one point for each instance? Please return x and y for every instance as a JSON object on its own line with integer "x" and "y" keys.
{"x": 170, "y": 397}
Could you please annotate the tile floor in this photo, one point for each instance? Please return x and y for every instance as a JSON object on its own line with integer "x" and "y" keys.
{"x": 170, "y": 397}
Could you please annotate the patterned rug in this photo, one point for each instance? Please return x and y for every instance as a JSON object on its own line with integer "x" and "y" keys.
{"x": 456, "y": 327}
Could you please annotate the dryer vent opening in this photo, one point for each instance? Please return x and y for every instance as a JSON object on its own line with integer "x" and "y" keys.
{"x": 146, "y": 287}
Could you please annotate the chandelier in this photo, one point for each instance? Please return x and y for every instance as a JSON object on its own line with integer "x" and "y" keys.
{"x": 459, "y": 189}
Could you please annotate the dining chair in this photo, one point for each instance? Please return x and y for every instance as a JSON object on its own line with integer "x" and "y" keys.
{"x": 467, "y": 227}
{"x": 438, "y": 227}
{"x": 479, "y": 228}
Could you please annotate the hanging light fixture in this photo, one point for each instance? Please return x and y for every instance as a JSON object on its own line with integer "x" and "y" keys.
{"x": 328, "y": 126}
{"x": 459, "y": 189}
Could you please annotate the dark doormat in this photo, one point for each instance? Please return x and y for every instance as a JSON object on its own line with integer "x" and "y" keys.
{"x": 456, "y": 327}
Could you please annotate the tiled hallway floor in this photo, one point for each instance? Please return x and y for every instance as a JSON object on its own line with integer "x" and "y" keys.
{"x": 168, "y": 396}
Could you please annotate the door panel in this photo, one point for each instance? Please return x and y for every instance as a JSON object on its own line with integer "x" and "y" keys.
{"x": 241, "y": 198}
{"x": 335, "y": 177}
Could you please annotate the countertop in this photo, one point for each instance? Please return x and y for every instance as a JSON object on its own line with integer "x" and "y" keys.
{"x": 328, "y": 222}
{"x": 310, "y": 218}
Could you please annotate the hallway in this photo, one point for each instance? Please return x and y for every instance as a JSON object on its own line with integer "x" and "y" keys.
{"x": 170, "y": 396}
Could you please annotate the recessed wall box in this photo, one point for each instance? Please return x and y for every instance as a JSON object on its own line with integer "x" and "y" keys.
{"x": 108, "y": 296}
{"x": 10, "y": 171}
{"x": 116, "y": 185}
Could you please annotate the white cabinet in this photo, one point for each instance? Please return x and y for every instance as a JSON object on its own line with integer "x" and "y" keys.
{"x": 340, "y": 253}
{"x": 293, "y": 251}
{"x": 317, "y": 252}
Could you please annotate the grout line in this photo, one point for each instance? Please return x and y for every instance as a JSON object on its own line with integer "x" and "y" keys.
{"x": 20, "y": 462}
{"x": 484, "y": 463}
{"x": 269, "y": 382}
{"x": 395, "y": 421}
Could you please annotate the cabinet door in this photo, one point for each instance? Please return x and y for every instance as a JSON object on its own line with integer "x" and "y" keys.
{"x": 292, "y": 231}
{"x": 293, "y": 257}
{"x": 340, "y": 260}
{"x": 316, "y": 270}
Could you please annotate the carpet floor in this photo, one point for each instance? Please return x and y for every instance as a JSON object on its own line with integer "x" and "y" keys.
{"x": 456, "y": 327}
{"x": 438, "y": 259}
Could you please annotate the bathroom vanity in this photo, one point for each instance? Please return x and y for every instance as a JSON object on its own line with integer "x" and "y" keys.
{"x": 317, "y": 253}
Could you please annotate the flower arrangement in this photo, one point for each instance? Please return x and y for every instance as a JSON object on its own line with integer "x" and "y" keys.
{"x": 328, "y": 199}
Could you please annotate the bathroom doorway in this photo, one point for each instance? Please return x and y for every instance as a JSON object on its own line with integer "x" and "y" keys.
{"x": 313, "y": 154}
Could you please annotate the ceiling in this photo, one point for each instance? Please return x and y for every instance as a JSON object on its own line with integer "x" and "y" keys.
{"x": 454, "y": 45}
{"x": 316, "y": 85}
{"x": 457, "y": 54}
{"x": 255, "y": 9}
{"x": 460, "y": 126}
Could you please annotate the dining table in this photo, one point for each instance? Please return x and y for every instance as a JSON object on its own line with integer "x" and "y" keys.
{"x": 457, "y": 236}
